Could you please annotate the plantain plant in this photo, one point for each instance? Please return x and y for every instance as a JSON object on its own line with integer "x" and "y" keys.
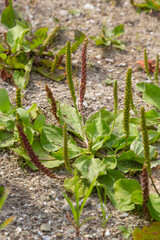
{"x": 22, "y": 50}
{"x": 106, "y": 146}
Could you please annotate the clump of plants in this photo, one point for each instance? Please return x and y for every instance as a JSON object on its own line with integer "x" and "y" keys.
{"x": 108, "y": 146}
{"x": 109, "y": 37}
{"x": 22, "y": 50}
{"x": 147, "y": 5}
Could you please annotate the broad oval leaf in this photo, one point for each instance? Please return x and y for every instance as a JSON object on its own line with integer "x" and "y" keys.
{"x": 90, "y": 167}
{"x": 150, "y": 232}
{"x": 4, "y": 101}
{"x": 154, "y": 206}
{"x": 128, "y": 192}
{"x": 39, "y": 122}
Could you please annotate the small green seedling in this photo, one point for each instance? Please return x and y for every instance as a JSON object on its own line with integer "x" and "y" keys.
{"x": 104, "y": 218}
{"x": 147, "y": 6}
{"x": 77, "y": 211}
{"x": 2, "y": 201}
{"x": 109, "y": 37}
{"x": 127, "y": 232}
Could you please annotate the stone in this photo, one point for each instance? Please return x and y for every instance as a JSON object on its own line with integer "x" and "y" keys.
{"x": 63, "y": 13}
{"x": 88, "y": 6}
{"x": 46, "y": 237}
{"x": 45, "y": 227}
{"x": 107, "y": 233}
{"x": 124, "y": 215}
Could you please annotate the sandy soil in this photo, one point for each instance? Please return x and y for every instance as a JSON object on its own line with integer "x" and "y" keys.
{"x": 34, "y": 198}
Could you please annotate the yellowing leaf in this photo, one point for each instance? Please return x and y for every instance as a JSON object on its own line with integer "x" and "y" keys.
{"x": 150, "y": 232}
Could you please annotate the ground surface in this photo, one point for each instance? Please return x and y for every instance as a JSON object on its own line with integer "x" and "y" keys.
{"x": 34, "y": 198}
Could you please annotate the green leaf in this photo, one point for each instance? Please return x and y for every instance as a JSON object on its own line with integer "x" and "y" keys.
{"x": 97, "y": 129}
{"x": 21, "y": 78}
{"x": 140, "y": 86}
{"x": 1, "y": 190}
{"x": 4, "y": 101}
{"x": 109, "y": 180}
{"x": 25, "y": 156}
{"x": 118, "y": 30}
{"x": 47, "y": 73}
{"x": 10, "y": 125}
{"x": 6, "y": 222}
{"x": 110, "y": 162}
{"x": 82, "y": 186}
{"x": 6, "y": 139}
{"x": 68, "y": 114}
{"x": 150, "y": 232}
{"x": 3, "y": 198}
{"x": 24, "y": 115}
{"x": 128, "y": 192}
{"x": 18, "y": 77}
{"x": 38, "y": 37}
{"x": 29, "y": 134}
{"x": 15, "y": 63}
{"x": 39, "y": 122}
{"x": 79, "y": 37}
{"x": 72, "y": 208}
{"x": 90, "y": 167}
{"x": 51, "y": 138}
{"x": 154, "y": 206}
{"x": 126, "y": 231}
{"x": 103, "y": 114}
{"x": 138, "y": 148}
{"x": 151, "y": 93}
{"x": 15, "y": 36}
{"x": 33, "y": 111}
{"x": 129, "y": 161}
{"x": 137, "y": 197}
{"x": 88, "y": 193}
{"x": 8, "y": 16}
{"x": 73, "y": 152}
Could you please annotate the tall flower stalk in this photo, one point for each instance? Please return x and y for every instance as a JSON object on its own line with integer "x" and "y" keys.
{"x": 72, "y": 89}
{"x": 69, "y": 73}
{"x": 145, "y": 187}
{"x": 146, "y": 63}
{"x": 115, "y": 94}
{"x": 53, "y": 102}
{"x": 33, "y": 157}
{"x": 156, "y": 73}
{"x": 83, "y": 77}
{"x": 51, "y": 36}
{"x": 65, "y": 149}
{"x": 147, "y": 164}
{"x": 127, "y": 103}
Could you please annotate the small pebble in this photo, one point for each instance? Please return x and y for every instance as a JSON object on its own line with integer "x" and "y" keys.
{"x": 98, "y": 57}
{"x": 88, "y": 6}
{"x": 46, "y": 237}
{"x": 45, "y": 227}
{"x": 124, "y": 215}
{"x": 122, "y": 64}
{"x": 109, "y": 60}
{"x": 99, "y": 62}
{"x": 63, "y": 13}
{"x": 107, "y": 234}
{"x": 18, "y": 229}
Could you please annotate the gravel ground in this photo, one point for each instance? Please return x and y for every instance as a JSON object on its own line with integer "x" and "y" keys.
{"x": 35, "y": 200}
